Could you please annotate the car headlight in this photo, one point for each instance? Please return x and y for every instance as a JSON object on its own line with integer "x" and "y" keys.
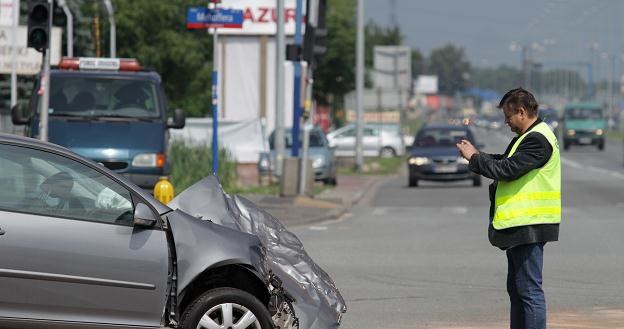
{"x": 318, "y": 162}
{"x": 599, "y": 132}
{"x": 418, "y": 161}
{"x": 571, "y": 132}
{"x": 461, "y": 160}
{"x": 149, "y": 160}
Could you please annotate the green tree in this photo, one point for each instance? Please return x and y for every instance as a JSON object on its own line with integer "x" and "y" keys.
{"x": 155, "y": 33}
{"x": 335, "y": 74}
{"x": 449, "y": 63}
{"x": 419, "y": 65}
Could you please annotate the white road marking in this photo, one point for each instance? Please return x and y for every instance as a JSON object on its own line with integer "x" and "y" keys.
{"x": 318, "y": 228}
{"x": 380, "y": 211}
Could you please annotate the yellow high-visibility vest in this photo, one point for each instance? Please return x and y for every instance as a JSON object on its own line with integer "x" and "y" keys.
{"x": 534, "y": 198}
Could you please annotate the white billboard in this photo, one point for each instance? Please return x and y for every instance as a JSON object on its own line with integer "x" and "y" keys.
{"x": 260, "y": 17}
{"x": 28, "y": 60}
{"x": 426, "y": 84}
{"x": 7, "y": 11}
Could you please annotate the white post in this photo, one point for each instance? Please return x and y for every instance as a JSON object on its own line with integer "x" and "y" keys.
{"x": 44, "y": 89}
{"x": 14, "y": 25}
{"x": 359, "y": 84}
{"x": 113, "y": 30}
{"x": 70, "y": 27}
{"x": 280, "y": 50}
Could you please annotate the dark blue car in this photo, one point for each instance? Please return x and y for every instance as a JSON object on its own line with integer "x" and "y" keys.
{"x": 110, "y": 111}
{"x": 434, "y": 156}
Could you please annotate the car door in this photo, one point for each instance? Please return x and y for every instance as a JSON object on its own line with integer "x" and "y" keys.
{"x": 344, "y": 142}
{"x": 371, "y": 141}
{"x": 69, "y": 250}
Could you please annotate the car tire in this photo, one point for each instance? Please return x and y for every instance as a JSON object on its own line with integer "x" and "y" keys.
{"x": 233, "y": 303}
{"x": 476, "y": 181}
{"x": 330, "y": 181}
{"x": 601, "y": 146}
{"x": 413, "y": 181}
{"x": 387, "y": 152}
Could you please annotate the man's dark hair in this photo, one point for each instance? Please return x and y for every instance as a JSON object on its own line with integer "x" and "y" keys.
{"x": 517, "y": 98}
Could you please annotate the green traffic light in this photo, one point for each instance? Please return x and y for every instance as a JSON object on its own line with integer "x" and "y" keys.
{"x": 38, "y": 38}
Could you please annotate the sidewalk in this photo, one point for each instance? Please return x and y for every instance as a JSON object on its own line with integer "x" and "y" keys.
{"x": 329, "y": 204}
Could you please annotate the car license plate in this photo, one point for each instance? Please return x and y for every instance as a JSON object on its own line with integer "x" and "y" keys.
{"x": 585, "y": 140}
{"x": 445, "y": 169}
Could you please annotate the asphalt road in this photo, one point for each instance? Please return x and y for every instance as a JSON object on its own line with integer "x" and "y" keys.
{"x": 419, "y": 257}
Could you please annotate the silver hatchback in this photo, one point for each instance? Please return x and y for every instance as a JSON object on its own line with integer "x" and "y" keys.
{"x": 83, "y": 247}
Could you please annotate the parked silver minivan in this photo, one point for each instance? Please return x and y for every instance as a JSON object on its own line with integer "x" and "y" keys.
{"x": 378, "y": 139}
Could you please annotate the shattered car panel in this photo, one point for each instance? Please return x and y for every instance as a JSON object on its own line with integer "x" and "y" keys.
{"x": 193, "y": 238}
{"x": 317, "y": 301}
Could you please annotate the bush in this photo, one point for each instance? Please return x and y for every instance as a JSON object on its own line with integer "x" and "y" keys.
{"x": 191, "y": 163}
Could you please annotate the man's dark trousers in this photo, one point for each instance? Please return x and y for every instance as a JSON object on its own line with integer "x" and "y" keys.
{"x": 524, "y": 284}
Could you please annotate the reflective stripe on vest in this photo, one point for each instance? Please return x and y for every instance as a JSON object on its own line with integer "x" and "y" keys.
{"x": 534, "y": 198}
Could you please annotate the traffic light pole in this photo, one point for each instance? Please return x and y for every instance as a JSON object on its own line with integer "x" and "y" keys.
{"x": 44, "y": 88}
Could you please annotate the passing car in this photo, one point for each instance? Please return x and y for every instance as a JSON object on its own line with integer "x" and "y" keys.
{"x": 584, "y": 124}
{"x": 84, "y": 247}
{"x": 551, "y": 118}
{"x": 378, "y": 139}
{"x": 319, "y": 152}
{"x": 434, "y": 156}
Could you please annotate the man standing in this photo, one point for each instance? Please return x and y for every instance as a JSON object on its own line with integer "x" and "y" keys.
{"x": 525, "y": 203}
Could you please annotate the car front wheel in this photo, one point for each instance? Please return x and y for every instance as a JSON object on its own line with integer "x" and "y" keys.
{"x": 226, "y": 308}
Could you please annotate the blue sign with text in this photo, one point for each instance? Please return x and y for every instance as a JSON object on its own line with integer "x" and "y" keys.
{"x": 202, "y": 17}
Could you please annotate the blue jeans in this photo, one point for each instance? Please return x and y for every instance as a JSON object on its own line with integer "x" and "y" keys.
{"x": 524, "y": 285}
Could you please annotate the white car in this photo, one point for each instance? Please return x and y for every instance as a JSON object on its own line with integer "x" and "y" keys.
{"x": 378, "y": 139}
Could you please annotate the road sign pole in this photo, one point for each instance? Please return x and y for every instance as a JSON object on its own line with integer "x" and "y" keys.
{"x": 297, "y": 84}
{"x": 215, "y": 100}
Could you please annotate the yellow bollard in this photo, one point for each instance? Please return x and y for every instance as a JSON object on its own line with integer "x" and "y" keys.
{"x": 163, "y": 190}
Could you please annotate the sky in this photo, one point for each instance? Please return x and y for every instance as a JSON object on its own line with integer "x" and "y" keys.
{"x": 558, "y": 32}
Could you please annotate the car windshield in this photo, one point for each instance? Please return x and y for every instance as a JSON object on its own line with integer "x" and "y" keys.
{"x": 103, "y": 97}
{"x": 548, "y": 115}
{"x": 440, "y": 137}
{"x": 316, "y": 139}
{"x": 584, "y": 114}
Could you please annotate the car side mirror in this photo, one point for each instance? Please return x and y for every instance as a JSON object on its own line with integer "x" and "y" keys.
{"x": 18, "y": 116}
{"x": 144, "y": 216}
{"x": 178, "y": 121}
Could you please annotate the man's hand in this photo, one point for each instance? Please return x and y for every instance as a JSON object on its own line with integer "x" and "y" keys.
{"x": 466, "y": 149}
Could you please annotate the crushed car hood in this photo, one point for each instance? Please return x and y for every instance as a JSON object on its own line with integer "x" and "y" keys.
{"x": 318, "y": 303}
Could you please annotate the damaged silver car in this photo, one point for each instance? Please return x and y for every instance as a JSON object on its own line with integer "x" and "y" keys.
{"x": 82, "y": 247}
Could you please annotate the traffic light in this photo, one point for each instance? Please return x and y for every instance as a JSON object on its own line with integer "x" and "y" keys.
{"x": 314, "y": 43}
{"x": 38, "y": 24}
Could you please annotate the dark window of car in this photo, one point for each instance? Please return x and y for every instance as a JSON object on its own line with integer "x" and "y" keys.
{"x": 44, "y": 183}
{"x": 103, "y": 97}
{"x": 368, "y": 132}
{"x": 441, "y": 137}
{"x": 317, "y": 139}
{"x": 584, "y": 114}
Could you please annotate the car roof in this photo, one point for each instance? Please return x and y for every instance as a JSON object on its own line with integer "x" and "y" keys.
{"x": 141, "y": 75}
{"x": 27, "y": 141}
{"x": 444, "y": 126}
{"x": 586, "y": 105}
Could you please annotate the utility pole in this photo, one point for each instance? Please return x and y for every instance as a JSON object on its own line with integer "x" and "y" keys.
{"x": 113, "y": 29}
{"x": 14, "y": 25}
{"x": 278, "y": 139}
{"x": 359, "y": 84}
{"x": 70, "y": 27}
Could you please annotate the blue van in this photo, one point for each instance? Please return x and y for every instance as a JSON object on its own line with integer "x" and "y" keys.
{"x": 108, "y": 110}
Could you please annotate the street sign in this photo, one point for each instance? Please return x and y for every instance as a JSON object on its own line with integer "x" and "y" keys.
{"x": 202, "y": 18}
{"x": 28, "y": 60}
